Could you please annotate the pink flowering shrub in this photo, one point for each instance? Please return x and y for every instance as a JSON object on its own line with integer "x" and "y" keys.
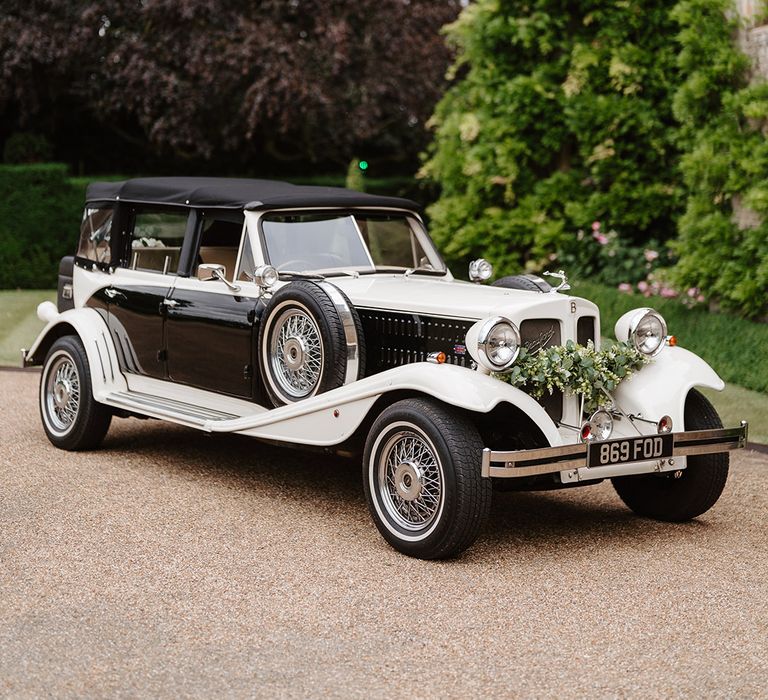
{"x": 601, "y": 254}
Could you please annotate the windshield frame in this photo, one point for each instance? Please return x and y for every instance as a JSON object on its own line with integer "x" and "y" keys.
{"x": 418, "y": 230}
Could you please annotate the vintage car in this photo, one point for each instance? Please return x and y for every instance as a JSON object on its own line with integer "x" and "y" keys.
{"x": 326, "y": 318}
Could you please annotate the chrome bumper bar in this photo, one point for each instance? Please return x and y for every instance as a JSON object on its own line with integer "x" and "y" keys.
{"x": 548, "y": 460}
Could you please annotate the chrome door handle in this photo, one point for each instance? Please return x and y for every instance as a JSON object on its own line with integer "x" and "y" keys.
{"x": 171, "y": 302}
{"x": 111, "y": 293}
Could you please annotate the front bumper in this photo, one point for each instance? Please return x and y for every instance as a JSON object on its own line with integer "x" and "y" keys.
{"x": 550, "y": 460}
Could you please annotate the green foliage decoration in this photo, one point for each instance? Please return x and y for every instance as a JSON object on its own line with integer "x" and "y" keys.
{"x": 560, "y": 115}
{"x": 723, "y": 239}
{"x": 576, "y": 369}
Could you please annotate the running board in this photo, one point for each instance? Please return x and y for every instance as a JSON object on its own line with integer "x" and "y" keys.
{"x": 168, "y": 409}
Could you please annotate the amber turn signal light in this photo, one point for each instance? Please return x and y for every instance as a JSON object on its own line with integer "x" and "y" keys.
{"x": 437, "y": 358}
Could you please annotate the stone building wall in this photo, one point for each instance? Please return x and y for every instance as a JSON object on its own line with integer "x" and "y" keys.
{"x": 754, "y": 36}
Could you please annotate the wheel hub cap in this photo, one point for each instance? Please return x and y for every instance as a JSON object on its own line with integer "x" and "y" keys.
{"x": 295, "y": 353}
{"x": 62, "y": 391}
{"x": 408, "y": 483}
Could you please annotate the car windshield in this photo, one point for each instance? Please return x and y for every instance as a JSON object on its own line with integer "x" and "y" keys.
{"x": 360, "y": 242}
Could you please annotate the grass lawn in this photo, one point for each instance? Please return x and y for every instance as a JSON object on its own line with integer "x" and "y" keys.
{"x": 19, "y": 324}
{"x": 19, "y": 327}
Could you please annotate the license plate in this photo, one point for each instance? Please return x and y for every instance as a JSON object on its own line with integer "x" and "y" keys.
{"x": 626, "y": 450}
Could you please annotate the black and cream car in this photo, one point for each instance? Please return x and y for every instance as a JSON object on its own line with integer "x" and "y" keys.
{"x": 324, "y": 317}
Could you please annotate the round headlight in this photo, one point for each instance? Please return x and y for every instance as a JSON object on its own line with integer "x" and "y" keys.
{"x": 602, "y": 424}
{"x": 648, "y": 331}
{"x": 498, "y": 343}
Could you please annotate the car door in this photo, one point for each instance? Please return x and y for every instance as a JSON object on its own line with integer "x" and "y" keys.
{"x": 140, "y": 286}
{"x": 211, "y": 325}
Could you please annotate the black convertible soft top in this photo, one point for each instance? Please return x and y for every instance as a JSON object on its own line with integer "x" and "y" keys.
{"x": 236, "y": 193}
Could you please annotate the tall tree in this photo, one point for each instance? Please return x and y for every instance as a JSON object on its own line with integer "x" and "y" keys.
{"x": 313, "y": 79}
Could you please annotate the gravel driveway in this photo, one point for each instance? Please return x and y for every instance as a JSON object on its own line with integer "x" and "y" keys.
{"x": 171, "y": 563}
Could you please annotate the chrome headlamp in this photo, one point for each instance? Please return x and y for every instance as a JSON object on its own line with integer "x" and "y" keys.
{"x": 644, "y": 328}
{"x": 498, "y": 343}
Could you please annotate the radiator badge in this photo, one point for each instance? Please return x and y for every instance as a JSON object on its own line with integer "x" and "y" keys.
{"x": 540, "y": 341}
{"x": 459, "y": 349}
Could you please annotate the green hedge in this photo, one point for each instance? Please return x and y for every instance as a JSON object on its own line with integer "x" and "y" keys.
{"x": 40, "y": 211}
{"x": 734, "y": 347}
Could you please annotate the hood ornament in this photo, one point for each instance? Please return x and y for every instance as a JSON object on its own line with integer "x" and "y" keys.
{"x": 563, "y": 286}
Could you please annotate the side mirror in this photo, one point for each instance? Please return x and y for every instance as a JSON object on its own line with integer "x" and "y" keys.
{"x": 213, "y": 271}
{"x": 210, "y": 271}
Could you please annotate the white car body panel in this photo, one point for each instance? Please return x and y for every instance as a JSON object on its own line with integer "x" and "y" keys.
{"x": 94, "y": 333}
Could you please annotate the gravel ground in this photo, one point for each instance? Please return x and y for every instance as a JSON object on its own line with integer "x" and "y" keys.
{"x": 170, "y": 563}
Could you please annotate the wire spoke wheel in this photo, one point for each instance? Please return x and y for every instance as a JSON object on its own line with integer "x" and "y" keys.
{"x": 62, "y": 393}
{"x": 410, "y": 480}
{"x": 72, "y": 418}
{"x": 296, "y": 350}
{"x": 422, "y": 480}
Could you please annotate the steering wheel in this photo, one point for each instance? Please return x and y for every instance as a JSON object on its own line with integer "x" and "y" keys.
{"x": 319, "y": 261}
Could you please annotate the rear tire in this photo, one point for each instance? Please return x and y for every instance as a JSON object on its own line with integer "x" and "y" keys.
{"x": 422, "y": 481}
{"x": 72, "y": 419}
{"x": 662, "y": 496}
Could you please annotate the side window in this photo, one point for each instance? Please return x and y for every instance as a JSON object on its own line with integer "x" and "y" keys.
{"x": 156, "y": 240}
{"x": 95, "y": 235}
{"x": 220, "y": 242}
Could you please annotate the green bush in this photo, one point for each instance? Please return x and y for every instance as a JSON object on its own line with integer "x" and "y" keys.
{"x": 725, "y": 166}
{"x": 24, "y": 147}
{"x": 733, "y": 346}
{"x": 40, "y": 212}
{"x": 561, "y": 116}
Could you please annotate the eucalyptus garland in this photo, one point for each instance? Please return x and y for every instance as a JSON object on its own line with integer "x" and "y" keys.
{"x": 575, "y": 369}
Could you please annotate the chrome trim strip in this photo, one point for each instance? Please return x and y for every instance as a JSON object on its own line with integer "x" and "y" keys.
{"x": 350, "y": 332}
{"x": 548, "y": 460}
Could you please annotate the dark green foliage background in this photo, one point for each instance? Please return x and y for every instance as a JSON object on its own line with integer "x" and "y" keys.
{"x": 562, "y": 116}
{"x": 40, "y": 211}
{"x": 637, "y": 115}
{"x": 725, "y": 163}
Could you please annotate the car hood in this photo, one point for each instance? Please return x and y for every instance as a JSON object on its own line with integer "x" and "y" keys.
{"x": 456, "y": 299}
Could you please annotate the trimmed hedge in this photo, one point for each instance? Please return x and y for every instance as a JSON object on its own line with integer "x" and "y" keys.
{"x": 734, "y": 347}
{"x": 40, "y": 212}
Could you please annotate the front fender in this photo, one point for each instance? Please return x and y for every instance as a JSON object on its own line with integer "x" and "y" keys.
{"x": 332, "y": 417}
{"x": 661, "y": 387}
{"x": 93, "y": 331}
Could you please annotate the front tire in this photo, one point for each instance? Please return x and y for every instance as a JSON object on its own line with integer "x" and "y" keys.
{"x": 422, "y": 482}
{"x": 698, "y": 486}
{"x": 72, "y": 419}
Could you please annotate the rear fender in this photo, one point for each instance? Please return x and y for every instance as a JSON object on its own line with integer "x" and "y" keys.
{"x": 93, "y": 331}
